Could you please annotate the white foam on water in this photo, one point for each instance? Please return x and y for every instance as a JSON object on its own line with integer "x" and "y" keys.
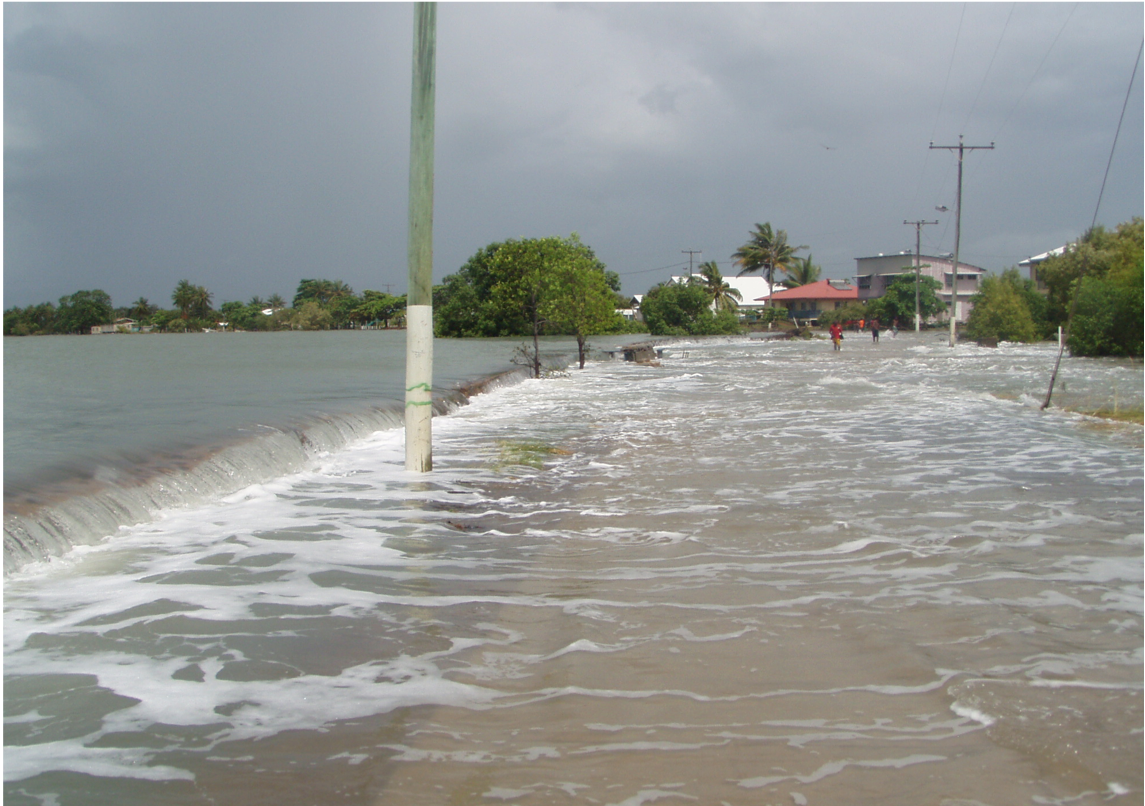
{"x": 651, "y": 796}
{"x": 741, "y": 498}
{"x": 972, "y": 714}
{"x": 835, "y": 767}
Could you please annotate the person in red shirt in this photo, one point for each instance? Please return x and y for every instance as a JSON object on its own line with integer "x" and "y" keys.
{"x": 837, "y": 335}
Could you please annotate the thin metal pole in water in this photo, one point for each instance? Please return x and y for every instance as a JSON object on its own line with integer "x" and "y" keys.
{"x": 419, "y": 308}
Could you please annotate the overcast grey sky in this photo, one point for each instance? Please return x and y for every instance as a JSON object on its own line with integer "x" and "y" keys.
{"x": 246, "y": 146}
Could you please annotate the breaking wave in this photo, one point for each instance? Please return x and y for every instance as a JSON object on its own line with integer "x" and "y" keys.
{"x": 56, "y": 517}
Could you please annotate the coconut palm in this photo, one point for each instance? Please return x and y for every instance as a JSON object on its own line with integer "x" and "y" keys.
{"x": 724, "y": 297}
{"x": 184, "y": 297}
{"x": 276, "y": 302}
{"x": 321, "y": 291}
{"x": 768, "y": 251}
{"x": 802, "y": 271}
{"x": 141, "y": 309}
{"x": 201, "y": 302}
{"x": 338, "y": 289}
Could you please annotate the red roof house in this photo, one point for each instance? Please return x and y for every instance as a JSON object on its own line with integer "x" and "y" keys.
{"x": 805, "y": 302}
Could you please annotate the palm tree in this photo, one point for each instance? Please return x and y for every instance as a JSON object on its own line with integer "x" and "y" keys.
{"x": 338, "y": 289}
{"x": 276, "y": 302}
{"x": 184, "y": 297}
{"x": 766, "y": 250}
{"x": 141, "y": 309}
{"x": 802, "y": 271}
{"x": 201, "y": 302}
{"x": 723, "y": 295}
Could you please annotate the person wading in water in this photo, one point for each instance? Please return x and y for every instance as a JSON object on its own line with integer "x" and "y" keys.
{"x": 836, "y": 335}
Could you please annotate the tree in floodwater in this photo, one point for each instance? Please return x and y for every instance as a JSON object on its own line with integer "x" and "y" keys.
{"x": 81, "y": 311}
{"x": 579, "y": 299}
{"x": 1104, "y": 271}
{"x": 193, "y": 301}
{"x": 1007, "y": 308}
{"x": 525, "y": 283}
{"x": 35, "y": 320}
{"x": 378, "y": 306}
{"x": 530, "y": 287}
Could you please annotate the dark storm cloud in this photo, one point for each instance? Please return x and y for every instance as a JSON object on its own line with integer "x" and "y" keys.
{"x": 244, "y": 147}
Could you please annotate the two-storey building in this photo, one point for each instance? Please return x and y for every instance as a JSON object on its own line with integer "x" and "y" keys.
{"x": 874, "y": 274}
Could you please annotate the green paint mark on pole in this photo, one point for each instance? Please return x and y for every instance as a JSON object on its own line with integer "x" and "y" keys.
{"x": 419, "y": 310}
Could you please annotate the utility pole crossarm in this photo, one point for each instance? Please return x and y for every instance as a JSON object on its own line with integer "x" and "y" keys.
{"x": 689, "y": 253}
{"x": 961, "y": 148}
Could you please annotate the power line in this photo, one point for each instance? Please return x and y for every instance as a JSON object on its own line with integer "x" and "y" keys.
{"x": 941, "y": 103}
{"x": 997, "y": 47}
{"x": 648, "y": 271}
{"x": 949, "y": 70}
{"x": 1041, "y": 64}
{"x": 1073, "y": 301}
{"x": 1117, "y": 133}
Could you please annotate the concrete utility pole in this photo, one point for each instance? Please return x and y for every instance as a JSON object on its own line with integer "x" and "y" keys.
{"x": 689, "y": 253}
{"x": 918, "y": 225}
{"x": 419, "y": 310}
{"x": 957, "y": 232}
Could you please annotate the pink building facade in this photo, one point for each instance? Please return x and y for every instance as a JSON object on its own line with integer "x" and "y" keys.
{"x": 873, "y": 274}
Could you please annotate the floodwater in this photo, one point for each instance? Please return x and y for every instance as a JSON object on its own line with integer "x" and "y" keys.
{"x": 759, "y": 573}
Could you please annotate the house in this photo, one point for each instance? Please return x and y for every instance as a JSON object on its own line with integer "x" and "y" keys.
{"x": 806, "y": 302}
{"x": 873, "y": 274}
{"x": 118, "y": 326}
{"x": 753, "y": 290}
{"x": 1031, "y": 264}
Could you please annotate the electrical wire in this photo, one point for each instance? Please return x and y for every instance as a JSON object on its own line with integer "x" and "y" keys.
{"x": 1030, "y": 83}
{"x": 1084, "y": 254}
{"x": 990, "y": 66}
{"x": 938, "y": 114}
{"x": 949, "y": 70}
{"x": 659, "y": 268}
{"x": 1117, "y": 133}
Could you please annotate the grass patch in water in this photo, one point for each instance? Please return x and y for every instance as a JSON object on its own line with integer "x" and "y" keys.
{"x": 1118, "y": 414}
{"x": 526, "y": 453}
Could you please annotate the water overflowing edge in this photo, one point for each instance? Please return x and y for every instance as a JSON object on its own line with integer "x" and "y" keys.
{"x": 39, "y": 532}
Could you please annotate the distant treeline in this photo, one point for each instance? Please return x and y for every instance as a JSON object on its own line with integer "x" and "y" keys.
{"x": 557, "y": 286}
{"x": 317, "y": 305}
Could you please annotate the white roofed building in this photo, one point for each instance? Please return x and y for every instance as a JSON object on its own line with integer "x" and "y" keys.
{"x": 752, "y": 288}
{"x": 1031, "y": 264}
